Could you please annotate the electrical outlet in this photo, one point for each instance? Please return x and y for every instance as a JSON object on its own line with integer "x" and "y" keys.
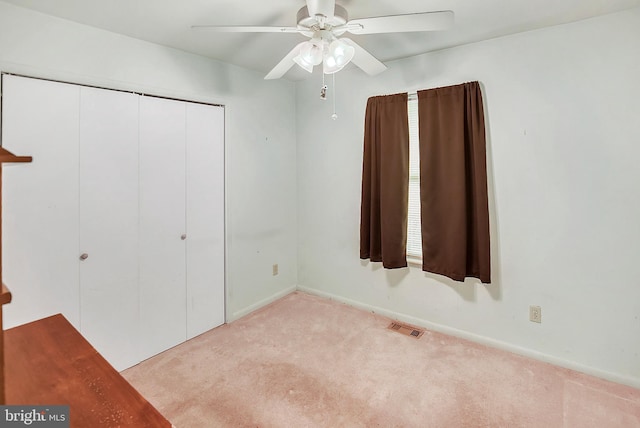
{"x": 535, "y": 314}
{"x": 275, "y": 269}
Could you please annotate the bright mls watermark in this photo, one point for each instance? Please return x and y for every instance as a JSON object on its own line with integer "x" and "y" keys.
{"x": 34, "y": 416}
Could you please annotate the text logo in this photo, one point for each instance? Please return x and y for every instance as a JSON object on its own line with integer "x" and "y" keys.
{"x": 34, "y": 416}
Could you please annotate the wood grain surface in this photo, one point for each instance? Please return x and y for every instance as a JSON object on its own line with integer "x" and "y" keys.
{"x": 48, "y": 362}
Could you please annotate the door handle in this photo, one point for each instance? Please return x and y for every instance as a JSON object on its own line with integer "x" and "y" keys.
{"x": 84, "y": 256}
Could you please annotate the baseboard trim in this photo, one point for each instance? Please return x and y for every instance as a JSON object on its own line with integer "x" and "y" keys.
{"x": 264, "y": 302}
{"x": 483, "y": 340}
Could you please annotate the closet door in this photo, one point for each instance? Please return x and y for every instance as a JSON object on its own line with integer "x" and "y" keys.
{"x": 162, "y": 225}
{"x": 205, "y": 218}
{"x": 109, "y": 223}
{"x": 40, "y": 200}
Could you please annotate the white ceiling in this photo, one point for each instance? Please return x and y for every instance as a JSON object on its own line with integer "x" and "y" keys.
{"x": 168, "y": 22}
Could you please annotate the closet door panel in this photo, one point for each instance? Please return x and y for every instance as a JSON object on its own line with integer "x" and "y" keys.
{"x": 205, "y": 218}
{"x": 40, "y": 200}
{"x": 162, "y": 224}
{"x": 109, "y": 223}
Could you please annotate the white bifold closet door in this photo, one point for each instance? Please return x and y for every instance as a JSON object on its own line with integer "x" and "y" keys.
{"x": 118, "y": 223}
{"x": 163, "y": 297}
{"x": 40, "y": 200}
{"x": 109, "y": 223}
{"x": 181, "y": 213}
{"x": 205, "y": 208}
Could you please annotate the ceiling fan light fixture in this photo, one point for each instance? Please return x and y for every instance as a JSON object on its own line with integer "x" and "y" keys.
{"x": 310, "y": 55}
{"x": 342, "y": 52}
{"x": 338, "y": 55}
{"x": 323, "y": 21}
{"x": 303, "y": 63}
{"x": 330, "y": 66}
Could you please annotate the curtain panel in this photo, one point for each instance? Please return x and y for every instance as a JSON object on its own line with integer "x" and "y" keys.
{"x": 453, "y": 182}
{"x": 385, "y": 181}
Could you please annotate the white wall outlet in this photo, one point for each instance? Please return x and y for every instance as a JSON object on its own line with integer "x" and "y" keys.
{"x": 275, "y": 269}
{"x": 535, "y": 314}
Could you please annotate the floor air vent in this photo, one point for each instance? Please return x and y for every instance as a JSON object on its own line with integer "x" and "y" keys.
{"x": 406, "y": 329}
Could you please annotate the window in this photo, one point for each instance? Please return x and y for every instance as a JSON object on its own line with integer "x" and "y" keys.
{"x": 414, "y": 234}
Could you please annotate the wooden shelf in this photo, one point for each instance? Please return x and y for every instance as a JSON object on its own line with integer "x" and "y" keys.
{"x": 5, "y": 297}
{"x": 7, "y": 157}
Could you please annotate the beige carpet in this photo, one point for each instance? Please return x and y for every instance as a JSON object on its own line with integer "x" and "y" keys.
{"x": 305, "y": 361}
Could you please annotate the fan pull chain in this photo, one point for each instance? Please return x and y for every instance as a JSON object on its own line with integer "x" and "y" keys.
{"x": 323, "y": 94}
{"x": 323, "y": 90}
{"x": 334, "y": 116}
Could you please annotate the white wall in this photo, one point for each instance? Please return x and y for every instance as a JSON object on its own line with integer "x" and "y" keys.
{"x": 563, "y": 143}
{"x": 260, "y": 132}
{"x": 563, "y": 147}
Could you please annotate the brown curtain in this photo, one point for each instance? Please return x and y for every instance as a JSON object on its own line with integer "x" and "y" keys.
{"x": 385, "y": 181}
{"x": 453, "y": 183}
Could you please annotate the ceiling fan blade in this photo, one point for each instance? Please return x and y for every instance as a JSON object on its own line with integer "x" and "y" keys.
{"x": 321, "y": 7}
{"x": 245, "y": 29}
{"x": 363, "y": 59}
{"x": 285, "y": 64}
{"x": 427, "y": 21}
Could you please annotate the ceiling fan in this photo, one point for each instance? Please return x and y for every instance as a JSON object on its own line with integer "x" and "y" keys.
{"x": 324, "y": 21}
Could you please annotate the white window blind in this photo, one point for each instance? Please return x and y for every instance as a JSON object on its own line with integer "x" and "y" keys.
{"x": 414, "y": 235}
